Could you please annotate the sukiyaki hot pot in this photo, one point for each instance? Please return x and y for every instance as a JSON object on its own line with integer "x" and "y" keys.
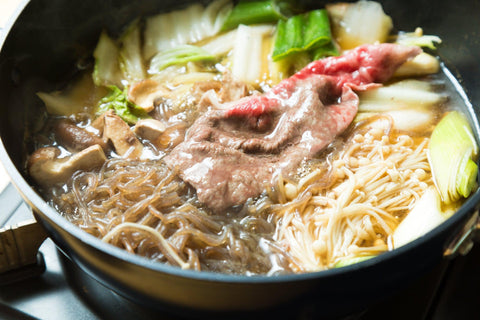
{"x": 232, "y": 168}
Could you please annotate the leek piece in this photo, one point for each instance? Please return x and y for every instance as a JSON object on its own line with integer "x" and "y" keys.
{"x": 179, "y": 55}
{"x": 107, "y": 69}
{"x": 413, "y": 94}
{"x": 131, "y": 59}
{"x": 117, "y": 100}
{"x": 421, "y": 65}
{"x": 425, "y": 215}
{"x": 279, "y": 70}
{"x": 317, "y": 31}
{"x": 411, "y": 120}
{"x": 302, "y": 33}
{"x": 289, "y": 38}
{"x": 347, "y": 261}
{"x": 405, "y": 120}
{"x": 255, "y": 12}
{"x": 452, "y": 152}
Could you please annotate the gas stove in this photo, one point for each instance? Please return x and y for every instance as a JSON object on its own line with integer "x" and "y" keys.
{"x": 63, "y": 291}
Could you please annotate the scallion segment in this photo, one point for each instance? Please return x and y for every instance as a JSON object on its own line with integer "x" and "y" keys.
{"x": 452, "y": 151}
{"x": 307, "y": 32}
{"x": 256, "y": 12}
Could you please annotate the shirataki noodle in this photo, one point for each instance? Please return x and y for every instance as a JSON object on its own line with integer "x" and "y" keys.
{"x": 146, "y": 209}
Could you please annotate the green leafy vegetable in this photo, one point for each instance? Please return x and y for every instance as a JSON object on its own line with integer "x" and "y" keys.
{"x": 305, "y": 32}
{"x": 256, "y": 12}
{"x": 117, "y": 100}
{"x": 179, "y": 55}
{"x": 452, "y": 151}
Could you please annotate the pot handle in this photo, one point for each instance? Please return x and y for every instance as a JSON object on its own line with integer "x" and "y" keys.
{"x": 19, "y": 255}
{"x": 463, "y": 241}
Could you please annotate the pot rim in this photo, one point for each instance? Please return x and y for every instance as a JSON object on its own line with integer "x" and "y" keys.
{"x": 41, "y": 207}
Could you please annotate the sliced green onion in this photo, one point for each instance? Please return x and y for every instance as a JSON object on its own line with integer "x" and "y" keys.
{"x": 117, "y": 100}
{"x": 302, "y": 33}
{"x": 289, "y": 38}
{"x": 466, "y": 182}
{"x": 452, "y": 152}
{"x": 317, "y": 31}
{"x": 255, "y": 12}
{"x": 179, "y": 55}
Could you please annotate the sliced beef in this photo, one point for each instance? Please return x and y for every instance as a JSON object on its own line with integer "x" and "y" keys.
{"x": 230, "y": 155}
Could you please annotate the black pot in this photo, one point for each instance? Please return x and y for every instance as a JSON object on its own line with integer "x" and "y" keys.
{"x": 51, "y": 38}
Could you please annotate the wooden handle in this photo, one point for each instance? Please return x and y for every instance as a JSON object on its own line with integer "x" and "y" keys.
{"x": 19, "y": 246}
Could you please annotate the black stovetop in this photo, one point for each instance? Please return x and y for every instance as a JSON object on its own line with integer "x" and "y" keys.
{"x": 450, "y": 291}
